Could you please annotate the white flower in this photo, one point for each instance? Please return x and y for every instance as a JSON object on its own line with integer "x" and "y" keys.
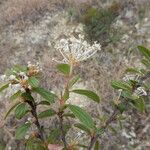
{"x": 75, "y": 50}
{"x": 131, "y": 77}
{"x": 27, "y": 137}
{"x": 29, "y": 64}
{"x": 30, "y": 87}
{"x": 10, "y": 85}
{"x": 22, "y": 74}
{"x": 52, "y": 92}
{"x": 29, "y": 119}
{"x": 140, "y": 91}
{"x": 22, "y": 90}
{"x": 9, "y": 148}
{"x": 26, "y": 77}
{"x": 3, "y": 77}
{"x": 12, "y": 77}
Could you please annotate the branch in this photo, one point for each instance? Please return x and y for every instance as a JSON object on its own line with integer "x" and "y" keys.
{"x": 60, "y": 115}
{"x": 33, "y": 106}
{"x": 110, "y": 120}
{"x": 36, "y": 122}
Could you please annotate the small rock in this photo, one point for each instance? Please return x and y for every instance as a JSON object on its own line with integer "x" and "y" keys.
{"x": 129, "y": 14}
{"x": 137, "y": 26}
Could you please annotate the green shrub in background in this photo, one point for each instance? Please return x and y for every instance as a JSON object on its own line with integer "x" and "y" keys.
{"x": 2, "y": 146}
{"x": 25, "y": 82}
{"x": 97, "y": 23}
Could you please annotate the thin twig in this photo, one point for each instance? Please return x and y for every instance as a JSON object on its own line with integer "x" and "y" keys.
{"x": 36, "y": 122}
{"x": 110, "y": 119}
{"x": 60, "y": 115}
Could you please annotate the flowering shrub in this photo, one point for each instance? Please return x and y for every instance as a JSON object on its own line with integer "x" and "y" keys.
{"x": 23, "y": 81}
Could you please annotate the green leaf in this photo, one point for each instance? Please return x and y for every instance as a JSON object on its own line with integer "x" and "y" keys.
{"x": 2, "y": 146}
{"x": 22, "y": 130}
{"x": 16, "y": 95}
{"x": 55, "y": 134}
{"x": 120, "y": 124}
{"x": 11, "y": 109}
{"x": 69, "y": 115}
{"x": 97, "y": 146}
{"x": 73, "y": 81}
{"x": 133, "y": 70}
{"x": 81, "y": 145}
{"x": 35, "y": 144}
{"x": 83, "y": 116}
{"x": 121, "y": 85}
{"x": 45, "y": 94}
{"x": 121, "y": 107}
{"x": 128, "y": 95}
{"x": 21, "y": 110}
{"x": 66, "y": 94}
{"x": 147, "y": 85}
{"x": 19, "y": 68}
{"x": 100, "y": 130}
{"x": 64, "y": 68}
{"x": 33, "y": 81}
{"x": 139, "y": 104}
{"x": 82, "y": 127}
{"x": 3, "y": 87}
{"x": 44, "y": 103}
{"x": 27, "y": 96}
{"x": 93, "y": 96}
{"x": 144, "y": 51}
{"x": 146, "y": 62}
{"x": 47, "y": 113}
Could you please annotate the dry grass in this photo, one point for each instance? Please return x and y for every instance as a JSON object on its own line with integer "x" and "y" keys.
{"x": 21, "y": 12}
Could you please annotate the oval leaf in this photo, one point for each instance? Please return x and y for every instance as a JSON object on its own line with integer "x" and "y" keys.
{"x": 22, "y": 130}
{"x": 11, "y": 109}
{"x": 121, "y": 85}
{"x": 97, "y": 146}
{"x": 84, "y": 117}
{"x": 21, "y": 110}
{"x": 27, "y": 96}
{"x": 139, "y": 104}
{"x": 16, "y": 95}
{"x": 33, "y": 81}
{"x": 3, "y": 87}
{"x": 47, "y": 113}
{"x": 45, "y": 94}
{"x": 73, "y": 81}
{"x": 82, "y": 127}
{"x": 146, "y": 62}
{"x": 64, "y": 68}
{"x": 88, "y": 93}
{"x": 144, "y": 51}
{"x": 43, "y": 103}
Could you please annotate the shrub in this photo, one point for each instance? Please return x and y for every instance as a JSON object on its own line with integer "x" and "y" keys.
{"x": 97, "y": 23}
{"x": 24, "y": 83}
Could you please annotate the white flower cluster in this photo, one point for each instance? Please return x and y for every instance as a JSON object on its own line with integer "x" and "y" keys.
{"x": 75, "y": 50}
{"x": 16, "y": 87}
{"x": 3, "y": 78}
{"x": 140, "y": 91}
{"x": 18, "y": 80}
{"x": 131, "y": 77}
